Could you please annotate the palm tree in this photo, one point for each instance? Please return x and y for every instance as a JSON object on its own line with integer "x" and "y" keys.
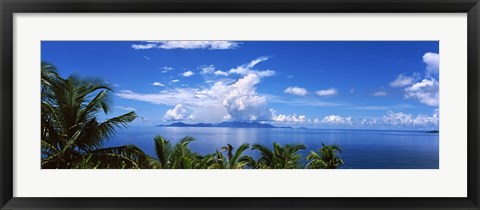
{"x": 178, "y": 156}
{"x": 48, "y": 73}
{"x": 163, "y": 151}
{"x": 72, "y": 136}
{"x": 282, "y": 157}
{"x": 325, "y": 158}
{"x": 287, "y": 156}
{"x": 233, "y": 161}
{"x": 267, "y": 158}
{"x": 182, "y": 155}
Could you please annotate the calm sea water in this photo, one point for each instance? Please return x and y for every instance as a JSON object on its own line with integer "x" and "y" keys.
{"x": 361, "y": 149}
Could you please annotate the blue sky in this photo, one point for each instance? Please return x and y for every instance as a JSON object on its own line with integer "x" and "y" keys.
{"x": 317, "y": 84}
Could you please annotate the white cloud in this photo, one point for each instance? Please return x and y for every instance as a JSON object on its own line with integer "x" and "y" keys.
{"x": 126, "y": 108}
{"x": 288, "y": 118}
{"x": 242, "y": 101}
{"x": 242, "y": 70}
{"x": 380, "y": 93}
{"x": 146, "y": 57}
{"x": 158, "y": 84}
{"x": 166, "y": 69}
{"x": 367, "y": 122}
{"x": 257, "y": 61}
{"x": 178, "y": 113}
{"x": 427, "y": 120}
{"x": 426, "y": 91}
{"x": 210, "y": 45}
{"x": 187, "y": 74}
{"x": 327, "y": 92}
{"x": 266, "y": 73}
{"x": 143, "y": 46}
{"x": 248, "y": 68}
{"x": 401, "y": 119}
{"x": 296, "y": 91}
{"x": 174, "y": 80}
{"x": 398, "y": 118}
{"x": 212, "y": 70}
{"x": 219, "y": 72}
{"x": 390, "y": 120}
{"x": 207, "y": 69}
{"x": 433, "y": 61}
{"x": 337, "y": 120}
{"x": 403, "y": 80}
{"x": 239, "y": 100}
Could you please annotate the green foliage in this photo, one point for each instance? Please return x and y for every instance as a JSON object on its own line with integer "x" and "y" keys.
{"x": 178, "y": 156}
{"x": 233, "y": 160}
{"x": 281, "y": 157}
{"x": 325, "y": 158}
{"x": 71, "y": 134}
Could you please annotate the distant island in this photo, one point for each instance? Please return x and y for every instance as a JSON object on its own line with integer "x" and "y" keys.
{"x": 224, "y": 125}
{"x": 433, "y": 131}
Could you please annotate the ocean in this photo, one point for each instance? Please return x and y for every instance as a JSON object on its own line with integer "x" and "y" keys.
{"x": 361, "y": 149}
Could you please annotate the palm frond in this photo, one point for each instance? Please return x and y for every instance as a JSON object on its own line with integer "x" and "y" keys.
{"x": 163, "y": 150}
{"x": 128, "y": 156}
{"x": 233, "y": 160}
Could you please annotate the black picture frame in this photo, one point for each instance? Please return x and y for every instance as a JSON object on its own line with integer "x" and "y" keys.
{"x": 10, "y": 7}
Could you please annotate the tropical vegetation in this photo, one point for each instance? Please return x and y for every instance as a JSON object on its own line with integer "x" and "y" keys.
{"x": 73, "y": 136}
{"x": 325, "y": 158}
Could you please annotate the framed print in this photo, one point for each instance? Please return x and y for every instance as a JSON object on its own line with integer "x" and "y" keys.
{"x": 239, "y": 105}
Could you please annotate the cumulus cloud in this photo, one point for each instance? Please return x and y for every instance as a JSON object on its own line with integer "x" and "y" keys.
{"x": 389, "y": 120}
{"x": 426, "y": 91}
{"x": 158, "y": 84}
{"x": 188, "y": 45}
{"x": 401, "y": 119}
{"x": 187, "y": 74}
{"x": 398, "y": 118}
{"x": 236, "y": 101}
{"x": 380, "y": 93}
{"x": 296, "y": 91}
{"x": 174, "y": 80}
{"x": 432, "y": 60}
{"x": 327, "y": 92}
{"x": 337, "y": 120}
{"x": 288, "y": 118}
{"x": 403, "y": 80}
{"x": 242, "y": 101}
{"x": 178, "y": 113}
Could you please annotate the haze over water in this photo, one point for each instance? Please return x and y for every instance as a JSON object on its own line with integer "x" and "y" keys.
{"x": 361, "y": 149}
